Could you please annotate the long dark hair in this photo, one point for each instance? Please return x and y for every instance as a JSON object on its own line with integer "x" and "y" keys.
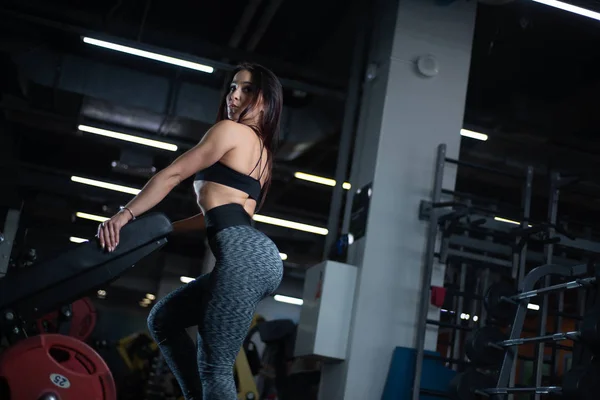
{"x": 267, "y": 87}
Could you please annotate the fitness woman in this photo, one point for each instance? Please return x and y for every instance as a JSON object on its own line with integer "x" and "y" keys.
{"x": 233, "y": 165}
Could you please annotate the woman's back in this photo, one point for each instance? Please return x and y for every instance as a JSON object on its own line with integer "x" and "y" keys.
{"x": 239, "y": 175}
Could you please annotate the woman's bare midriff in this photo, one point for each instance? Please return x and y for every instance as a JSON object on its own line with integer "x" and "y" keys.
{"x": 210, "y": 195}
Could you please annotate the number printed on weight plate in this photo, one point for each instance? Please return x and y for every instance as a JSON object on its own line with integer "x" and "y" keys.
{"x": 60, "y": 381}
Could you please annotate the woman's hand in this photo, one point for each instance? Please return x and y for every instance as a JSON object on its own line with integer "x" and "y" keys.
{"x": 108, "y": 231}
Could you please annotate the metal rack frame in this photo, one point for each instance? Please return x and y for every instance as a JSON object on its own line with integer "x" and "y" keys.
{"x": 432, "y": 212}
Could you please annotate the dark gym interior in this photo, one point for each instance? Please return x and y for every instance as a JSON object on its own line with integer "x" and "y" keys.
{"x": 525, "y": 192}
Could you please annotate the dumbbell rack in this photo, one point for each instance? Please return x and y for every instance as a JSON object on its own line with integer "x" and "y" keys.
{"x": 490, "y": 253}
{"x": 507, "y": 257}
{"x": 576, "y": 382}
{"x": 527, "y": 286}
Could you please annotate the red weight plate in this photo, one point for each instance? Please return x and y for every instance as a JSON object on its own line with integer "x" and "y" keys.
{"x": 84, "y": 319}
{"x": 49, "y": 320}
{"x": 57, "y": 364}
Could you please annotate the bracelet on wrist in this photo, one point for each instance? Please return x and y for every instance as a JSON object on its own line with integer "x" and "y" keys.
{"x": 128, "y": 210}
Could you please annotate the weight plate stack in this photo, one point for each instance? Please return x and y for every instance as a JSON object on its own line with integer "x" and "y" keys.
{"x": 582, "y": 382}
{"x": 499, "y": 309}
{"x": 478, "y": 350}
{"x": 465, "y": 385}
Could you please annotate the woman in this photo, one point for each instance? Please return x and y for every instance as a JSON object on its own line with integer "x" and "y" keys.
{"x": 232, "y": 164}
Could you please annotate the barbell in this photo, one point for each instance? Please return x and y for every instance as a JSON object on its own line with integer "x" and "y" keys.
{"x": 579, "y": 383}
{"x": 501, "y": 301}
{"x": 485, "y": 347}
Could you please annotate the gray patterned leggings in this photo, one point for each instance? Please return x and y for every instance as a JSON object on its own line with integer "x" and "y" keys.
{"x": 221, "y": 304}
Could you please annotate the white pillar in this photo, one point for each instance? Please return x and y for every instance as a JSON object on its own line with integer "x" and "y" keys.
{"x": 404, "y": 116}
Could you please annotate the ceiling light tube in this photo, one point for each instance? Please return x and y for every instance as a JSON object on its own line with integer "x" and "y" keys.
{"x": 105, "y": 185}
{"x": 319, "y": 179}
{"x": 128, "y": 138}
{"x": 473, "y": 135}
{"x": 283, "y": 256}
{"x": 290, "y": 224}
{"x": 91, "y": 217}
{"x": 75, "y": 239}
{"x": 186, "y": 279}
{"x": 150, "y": 55}
{"x": 289, "y": 300}
{"x": 508, "y": 221}
{"x": 571, "y": 8}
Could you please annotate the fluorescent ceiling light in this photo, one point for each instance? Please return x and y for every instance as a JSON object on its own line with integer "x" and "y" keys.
{"x": 508, "y": 221}
{"x": 150, "y": 296}
{"x": 473, "y": 135}
{"x": 290, "y": 224}
{"x": 105, "y": 185}
{"x": 534, "y": 307}
{"x": 289, "y": 300}
{"x": 91, "y": 217}
{"x": 150, "y": 55}
{"x": 78, "y": 239}
{"x": 283, "y": 256}
{"x": 320, "y": 180}
{"x": 570, "y": 8}
{"x": 128, "y": 138}
{"x": 186, "y": 279}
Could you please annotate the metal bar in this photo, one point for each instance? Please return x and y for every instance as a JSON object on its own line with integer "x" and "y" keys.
{"x": 546, "y": 338}
{"x": 480, "y": 199}
{"x": 476, "y": 257}
{"x": 552, "y": 213}
{"x": 580, "y": 244}
{"x": 521, "y": 257}
{"x": 554, "y": 288}
{"x": 527, "y": 193}
{"x": 11, "y": 225}
{"x": 483, "y": 167}
{"x": 501, "y": 249}
{"x": 345, "y": 146}
{"x": 428, "y": 270}
{"x": 537, "y": 390}
{"x": 456, "y": 333}
{"x": 485, "y": 281}
{"x": 517, "y": 327}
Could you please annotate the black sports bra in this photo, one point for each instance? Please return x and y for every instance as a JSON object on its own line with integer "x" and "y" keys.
{"x": 221, "y": 173}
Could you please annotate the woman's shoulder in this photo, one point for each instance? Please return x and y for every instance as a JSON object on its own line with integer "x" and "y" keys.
{"x": 232, "y": 131}
{"x": 232, "y": 126}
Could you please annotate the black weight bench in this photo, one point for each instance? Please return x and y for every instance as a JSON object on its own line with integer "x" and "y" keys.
{"x": 32, "y": 292}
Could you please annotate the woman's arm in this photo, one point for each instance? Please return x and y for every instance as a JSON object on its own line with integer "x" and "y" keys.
{"x": 195, "y": 223}
{"x": 219, "y": 140}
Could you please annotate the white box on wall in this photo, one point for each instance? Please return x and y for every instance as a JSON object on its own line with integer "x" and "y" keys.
{"x": 327, "y": 310}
